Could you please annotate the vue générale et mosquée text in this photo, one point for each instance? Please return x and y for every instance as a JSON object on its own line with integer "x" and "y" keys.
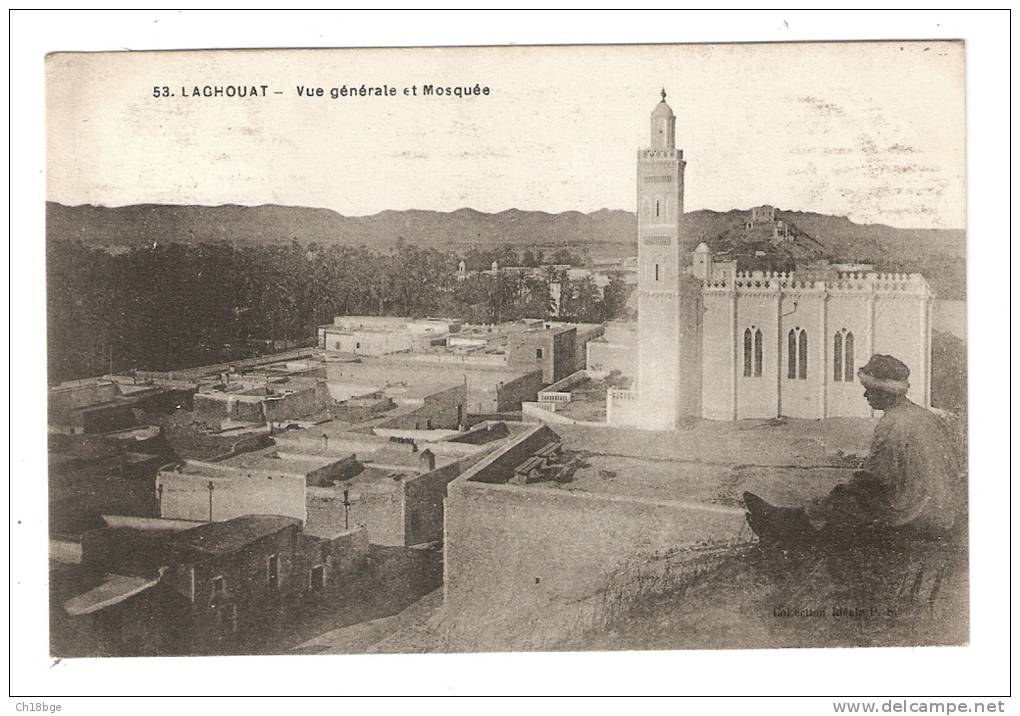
{"x": 344, "y": 91}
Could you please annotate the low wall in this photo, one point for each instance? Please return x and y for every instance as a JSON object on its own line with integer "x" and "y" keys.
{"x": 186, "y": 495}
{"x": 443, "y": 409}
{"x": 65, "y": 551}
{"x": 498, "y": 466}
{"x": 214, "y": 408}
{"x": 379, "y": 510}
{"x": 517, "y": 558}
{"x": 242, "y": 364}
{"x": 340, "y": 469}
{"x": 70, "y": 396}
{"x": 303, "y": 401}
{"x": 546, "y": 413}
{"x": 511, "y": 394}
{"x": 423, "y": 503}
{"x": 325, "y": 512}
{"x": 340, "y": 554}
{"x": 403, "y": 513}
{"x": 564, "y": 385}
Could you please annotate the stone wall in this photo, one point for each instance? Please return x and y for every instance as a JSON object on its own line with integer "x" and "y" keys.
{"x": 67, "y": 397}
{"x": 340, "y": 555}
{"x": 511, "y": 394}
{"x": 516, "y": 558}
{"x": 423, "y": 503}
{"x": 376, "y": 509}
{"x": 303, "y": 401}
{"x": 444, "y": 409}
{"x": 186, "y": 495}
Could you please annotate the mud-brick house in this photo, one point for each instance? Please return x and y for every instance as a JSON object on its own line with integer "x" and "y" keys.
{"x": 175, "y": 588}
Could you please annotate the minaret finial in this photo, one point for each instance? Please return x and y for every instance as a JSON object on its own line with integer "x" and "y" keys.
{"x": 663, "y": 93}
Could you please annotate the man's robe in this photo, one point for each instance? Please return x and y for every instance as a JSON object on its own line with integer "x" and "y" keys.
{"x": 912, "y": 478}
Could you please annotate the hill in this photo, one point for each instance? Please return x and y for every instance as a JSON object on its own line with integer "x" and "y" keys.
{"x": 147, "y": 223}
{"x": 937, "y": 253}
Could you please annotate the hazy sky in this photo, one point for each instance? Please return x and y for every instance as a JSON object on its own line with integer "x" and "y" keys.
{"x": 873, "y": 131}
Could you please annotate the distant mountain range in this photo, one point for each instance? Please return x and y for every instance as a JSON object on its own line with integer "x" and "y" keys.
{"x": 938, "y": 253}
{"x": 145, "y": 223}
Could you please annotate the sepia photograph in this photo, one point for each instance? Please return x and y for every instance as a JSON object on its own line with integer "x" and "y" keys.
{"x": 408, "y": 358}
{"x": 508, "y": 350}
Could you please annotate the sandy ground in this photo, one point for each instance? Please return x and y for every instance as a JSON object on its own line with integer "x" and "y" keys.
{"x": 913, "y": 595}
{"x": 404, "y": 632}
{"x": 752, "y": 598}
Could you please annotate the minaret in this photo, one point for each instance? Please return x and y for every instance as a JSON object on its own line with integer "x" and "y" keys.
{"x": 668, "y": 304}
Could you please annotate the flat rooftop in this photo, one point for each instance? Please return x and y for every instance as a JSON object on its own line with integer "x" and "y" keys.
{"x": 588, "y": 399}
{"x": 366, "y": 448}
{"x": 432, "y": 370}
{"x": 373, "y": 476}
{"x": 231, "y": 535}
{"x": 715, "y": 462}
{"x": 273, "y": 459}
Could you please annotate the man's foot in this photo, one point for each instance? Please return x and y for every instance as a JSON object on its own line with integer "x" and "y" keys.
{"x": 785, "y": 524}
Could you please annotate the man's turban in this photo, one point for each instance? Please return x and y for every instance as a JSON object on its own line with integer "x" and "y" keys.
{"x": 885, "y": 373}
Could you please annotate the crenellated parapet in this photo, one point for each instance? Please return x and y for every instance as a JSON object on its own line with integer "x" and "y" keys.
{"x": 758, "y": 282}
{"x": 885, "y": 283}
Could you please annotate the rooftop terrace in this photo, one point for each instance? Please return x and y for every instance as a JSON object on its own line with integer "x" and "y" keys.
{"x": 715, "y": 462}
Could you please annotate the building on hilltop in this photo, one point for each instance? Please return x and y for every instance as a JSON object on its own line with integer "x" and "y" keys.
{"x": 721, "y": 344}
{"x": 764, "y": 214}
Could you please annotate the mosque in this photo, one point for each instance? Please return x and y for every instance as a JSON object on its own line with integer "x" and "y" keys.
{"x": 717, "y": 343}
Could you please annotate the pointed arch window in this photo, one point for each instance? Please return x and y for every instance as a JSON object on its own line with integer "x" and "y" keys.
{"x": 753, "y": 352}
{"x": 757, "y": 353}
{"x": 796, "y": 354}
{"x": 843, "y": 356}
{"x": 748, "y": 342}
{"x": 791, "y": 354}
{"x": 848, "y": 359}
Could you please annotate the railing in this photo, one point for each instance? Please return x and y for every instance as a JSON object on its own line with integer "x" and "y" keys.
{"x": 553, "y": 397}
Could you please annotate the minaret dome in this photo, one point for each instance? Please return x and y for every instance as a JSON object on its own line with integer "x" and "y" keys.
{"x": 663, "y": 125}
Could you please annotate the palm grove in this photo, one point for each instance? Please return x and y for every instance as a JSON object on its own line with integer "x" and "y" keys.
{"x": 176, "y": 305}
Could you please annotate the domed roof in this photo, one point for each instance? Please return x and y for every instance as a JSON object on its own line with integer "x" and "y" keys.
{"x": 662, "y": 109}
{"x": 702, "y": 248}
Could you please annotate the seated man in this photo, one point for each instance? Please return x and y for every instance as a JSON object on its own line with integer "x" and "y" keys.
{"x": 911, "y": 481}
